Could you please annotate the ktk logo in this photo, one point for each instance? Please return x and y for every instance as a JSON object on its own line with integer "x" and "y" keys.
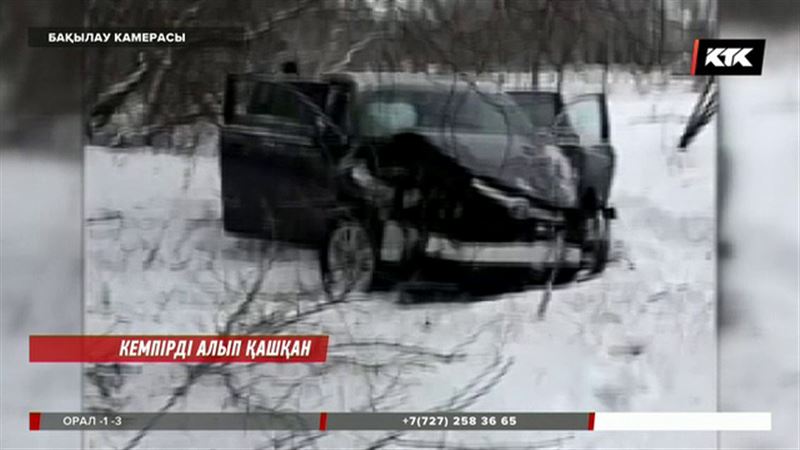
{"x": 733, "y": 56}
{"x": 728, "y": 56}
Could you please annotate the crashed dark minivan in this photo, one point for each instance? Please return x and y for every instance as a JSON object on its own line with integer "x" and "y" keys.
{"x": 386, "y": 174}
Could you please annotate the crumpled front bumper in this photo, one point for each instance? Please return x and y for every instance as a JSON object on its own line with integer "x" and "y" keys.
{"x": 544, "y": 253}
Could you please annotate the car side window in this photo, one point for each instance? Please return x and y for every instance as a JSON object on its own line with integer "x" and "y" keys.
{"x": 272, "y": 100}
{"x": 288, "y": 101}
{"x": 586, "y": 118}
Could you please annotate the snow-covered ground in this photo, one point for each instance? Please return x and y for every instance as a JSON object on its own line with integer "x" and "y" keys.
{"x": 640, "y": 337}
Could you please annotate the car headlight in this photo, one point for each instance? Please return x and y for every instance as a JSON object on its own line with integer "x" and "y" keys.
{"x": 518, "y": 207}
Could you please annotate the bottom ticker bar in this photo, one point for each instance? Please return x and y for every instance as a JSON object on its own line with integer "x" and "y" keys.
{"x": 327, "y": 421}
{"x": 674, "y": 421}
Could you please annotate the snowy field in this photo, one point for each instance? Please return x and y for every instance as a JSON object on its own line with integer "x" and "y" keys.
{"x": 639, "y": 338}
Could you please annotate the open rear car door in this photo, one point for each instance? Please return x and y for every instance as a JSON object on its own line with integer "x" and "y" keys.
{"x": 587, "y": 115}
{"x": 275, "y": 161}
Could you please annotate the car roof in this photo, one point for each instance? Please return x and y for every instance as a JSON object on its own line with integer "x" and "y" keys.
{"x": 532, "y": 91}
{"x": 376, "y": 80}
{"x": 416, "y": 81}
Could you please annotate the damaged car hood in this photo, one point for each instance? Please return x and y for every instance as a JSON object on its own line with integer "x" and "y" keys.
{"x": 512, "y": 162}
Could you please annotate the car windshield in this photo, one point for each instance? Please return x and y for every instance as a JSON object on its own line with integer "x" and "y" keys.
{"x": 541, "y": 108}
{"x": 385, "y": 112}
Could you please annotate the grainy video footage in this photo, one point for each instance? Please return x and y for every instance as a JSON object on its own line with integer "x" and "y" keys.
{"x": 487, "y": 205}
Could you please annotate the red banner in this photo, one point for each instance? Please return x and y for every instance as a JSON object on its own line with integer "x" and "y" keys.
{"x": 178, "y": 349}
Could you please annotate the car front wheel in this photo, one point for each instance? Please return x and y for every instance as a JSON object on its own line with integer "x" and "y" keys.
{"x": 347, "y": 259}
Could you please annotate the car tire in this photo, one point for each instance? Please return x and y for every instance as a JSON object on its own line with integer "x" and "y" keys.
{"x": 598, "y": 241}
{"x": 348, "y": 261}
